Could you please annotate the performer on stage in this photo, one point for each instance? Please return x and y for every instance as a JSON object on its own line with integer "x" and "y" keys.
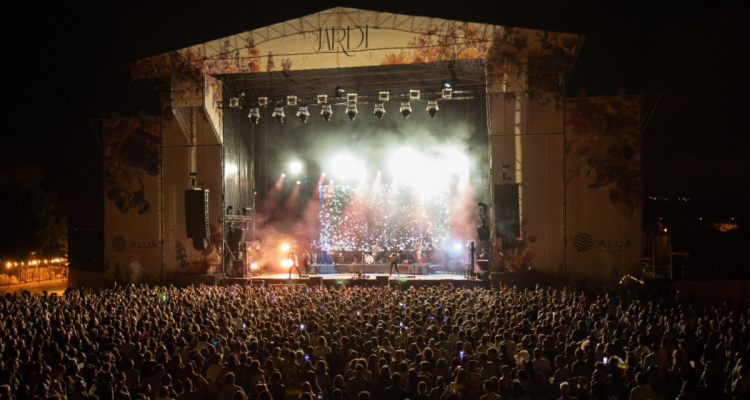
{"x": 418, "y": 251}
{"x": 306, "y": 259}
{"x": 375, "y": 251}
{"x": 394, "y": 258}
{"x": 295, "y": 264}
{"x": 314, "y": 250}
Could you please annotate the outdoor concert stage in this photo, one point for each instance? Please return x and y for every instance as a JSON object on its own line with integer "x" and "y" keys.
{"x": 349, "y": 129}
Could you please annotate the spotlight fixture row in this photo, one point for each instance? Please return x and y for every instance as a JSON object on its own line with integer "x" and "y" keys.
{"x": 341, "y": 97}
{"x": 303, "y": 113}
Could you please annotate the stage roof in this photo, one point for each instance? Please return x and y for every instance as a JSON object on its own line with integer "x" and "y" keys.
{"x": 347, "y": 38}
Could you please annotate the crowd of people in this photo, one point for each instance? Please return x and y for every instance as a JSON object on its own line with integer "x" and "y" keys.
{"x": 357, "y": 343}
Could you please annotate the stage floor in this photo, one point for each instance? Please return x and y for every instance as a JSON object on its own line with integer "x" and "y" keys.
{"x": 367, "y": 279}
{"x": 366, "y": 276}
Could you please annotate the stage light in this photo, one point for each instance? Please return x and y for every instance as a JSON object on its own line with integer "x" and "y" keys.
{"x": 384, "y": 97}
{"x": 253, "y": 266}
{"x": 278, "y": 113}
{"x": 414, "y": 95}
{"x": 322, "y": 174}
{"x": 447, "y": 93}
{"x": 340, "y": 92}
{"x": 254, "y": 115}
{"x": 285, "y": 246}
{"x": 234, "y": 102}
{"x": 262, "y": 101}
{"x": 291, "y": 100}
{"x": 331, "y": 182}
{"x": 351, "y": 98}
{"x": 298, "y": 182}
{"x": 283, "y": 175}
{"x": 351, "y": 110}
{"x": 457, "y": 246}
{"x": 347, "y": 167}
{"x": 302, "y": 114}
{"x": 405, "y": 109}
{"x": 295, "y": 167}
{"x": 287, "y": 263}
{"x": 432, "y": 108}
{"x": 446, "y": 85}
{"x": 322, "y": 99}
{"x": 326, "y": 112}
{"x": 379, "y": 110}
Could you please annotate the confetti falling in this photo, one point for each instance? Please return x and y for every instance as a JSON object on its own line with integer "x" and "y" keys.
{"x": 391, "y": 216}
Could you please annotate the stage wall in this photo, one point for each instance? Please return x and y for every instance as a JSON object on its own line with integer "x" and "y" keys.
{"x": 603, "y": 187}
{"x": 527, "y": 135}
{"x": 179, "y": 255}
{"x": 132, "y": 207}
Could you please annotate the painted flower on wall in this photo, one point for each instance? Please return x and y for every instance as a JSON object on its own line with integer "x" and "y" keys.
{"x": 131, "y": 152}
{"x": 604, "y": 147}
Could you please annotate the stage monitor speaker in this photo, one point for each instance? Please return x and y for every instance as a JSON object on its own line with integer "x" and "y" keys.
{"x": 483, "y": 232}
{"x": 239, "y": 268}
{"x": 381, "y": 281}
{"x": 507, "y": 220}
{"x": 196, "y": 217}
{"x": 238, "y": 236}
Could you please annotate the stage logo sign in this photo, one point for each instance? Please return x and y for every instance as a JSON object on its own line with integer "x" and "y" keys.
{"x": 346, "y": 39}
{"x": 584, "y": 242}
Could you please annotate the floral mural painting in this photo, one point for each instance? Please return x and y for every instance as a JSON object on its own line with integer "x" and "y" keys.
{"x": 191, "y": 262}
{"x": 449, "y": 41}
{"x": 604, "y": 146}
{"x": 213, "y": 96}
{"x": 131, "y": 154}
{"x": 518, "y": 256}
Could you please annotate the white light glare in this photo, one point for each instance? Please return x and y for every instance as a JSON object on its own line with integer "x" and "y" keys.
{"x": 344, "y": 166}
{"x": 295, "y": 167}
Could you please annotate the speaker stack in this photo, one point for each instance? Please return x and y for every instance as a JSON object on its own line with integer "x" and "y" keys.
{"x": 196, "y": 218}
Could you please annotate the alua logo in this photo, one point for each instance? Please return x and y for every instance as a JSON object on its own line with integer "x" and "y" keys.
{"x": 614, "y": 245}
{"x": 142, "y": 245}
{"x": 119, "y": 244}
{"x": 347, "y": 39}
{"x": 584, "y": 242}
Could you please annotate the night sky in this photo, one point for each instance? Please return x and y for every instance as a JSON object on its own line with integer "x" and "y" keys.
{"x": 66, "y": 68}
